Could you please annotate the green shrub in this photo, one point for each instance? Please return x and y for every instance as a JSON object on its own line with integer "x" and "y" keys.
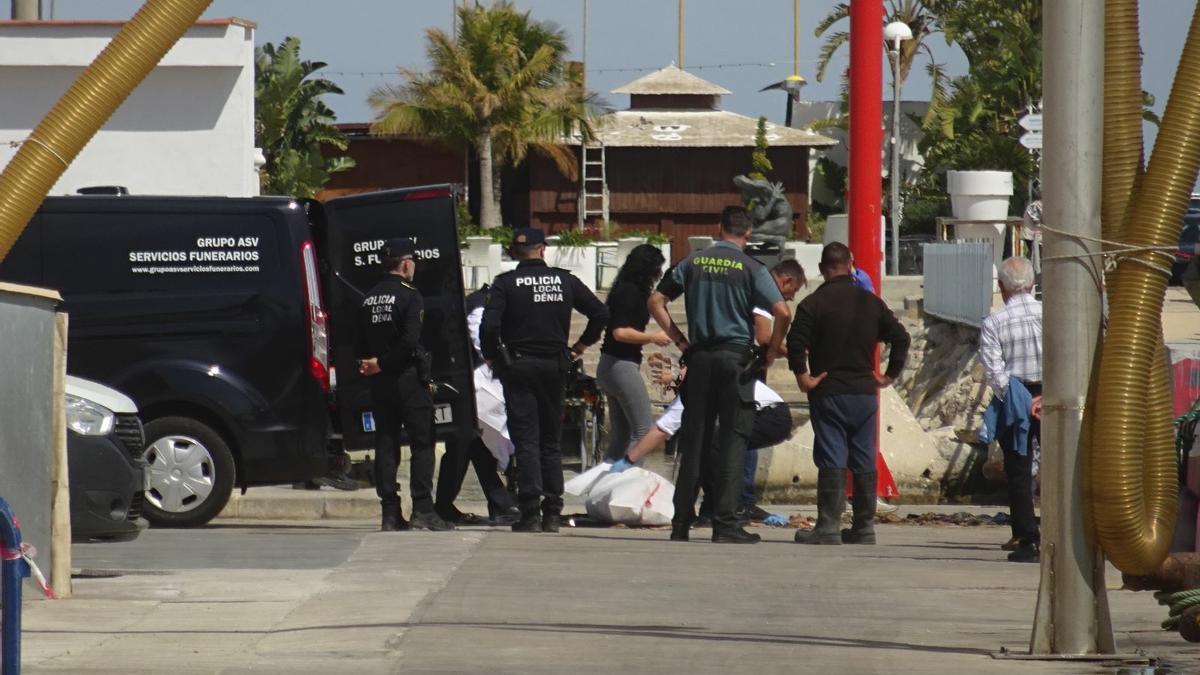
{"x": 573, "y": 237}
{"x": 501, "y": 235}
{"x": 608, "y": 230}
{"x": 816, "y": 226}
{"x": 651, "y": 237}
{"x": 760, "y": 166}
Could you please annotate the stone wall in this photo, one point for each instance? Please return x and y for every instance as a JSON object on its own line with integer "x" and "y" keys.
{"x": 927, "y": 419}
{"x": 943, "y": 385}
{"x": 943, "y": 380}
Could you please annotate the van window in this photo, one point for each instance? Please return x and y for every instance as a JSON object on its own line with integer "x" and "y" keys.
{"x": 141, "y": 252}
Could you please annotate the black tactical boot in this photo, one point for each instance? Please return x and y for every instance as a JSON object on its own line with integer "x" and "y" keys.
{"x": 862, "y": 531}
{"x": 831, "y": 501}
{"x": 427, "y": 519}
{"x": 393, "y": 520}
{"x": 530, "y": 521}
{"x": 679, "y": 531}
{"x": 734, "y": 535}
{"x": 551, "y": 522}
{"x": 1028, "y": 551}
{"x": 503, "y": 516}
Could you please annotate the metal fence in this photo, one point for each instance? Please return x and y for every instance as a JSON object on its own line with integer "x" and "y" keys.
{"x": 958, "y": 281}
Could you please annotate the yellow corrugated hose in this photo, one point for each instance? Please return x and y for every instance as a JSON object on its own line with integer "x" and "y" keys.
{"x": 1131, "y": 481}
{"x": 86, "y": 106}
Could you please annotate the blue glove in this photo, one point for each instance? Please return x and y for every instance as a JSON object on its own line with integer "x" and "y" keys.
{"x": 775, "y": 520}
{"x": 621, "y": 465}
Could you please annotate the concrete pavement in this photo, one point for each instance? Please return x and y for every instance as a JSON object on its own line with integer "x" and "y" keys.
{"x": 334, "y": 596}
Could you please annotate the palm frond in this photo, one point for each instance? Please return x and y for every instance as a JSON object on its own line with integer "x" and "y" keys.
{"x": 839, "y": 12}
{"x": 828, "y": 49}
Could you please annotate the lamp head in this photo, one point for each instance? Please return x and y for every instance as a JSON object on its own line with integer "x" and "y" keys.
{"x": 897, "y": 31}
{"x": 792, "y": 85}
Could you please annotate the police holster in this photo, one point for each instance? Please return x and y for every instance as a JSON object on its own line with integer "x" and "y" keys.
{"x": 752, "y": 361}
{"x": 504, "y": 363}
{"x": 424, "y": 363}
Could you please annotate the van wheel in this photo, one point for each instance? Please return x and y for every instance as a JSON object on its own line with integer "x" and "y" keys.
{"x": 191, "y": 472}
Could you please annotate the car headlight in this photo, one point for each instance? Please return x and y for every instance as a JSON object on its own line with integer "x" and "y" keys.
{"x": 87, "y": 418}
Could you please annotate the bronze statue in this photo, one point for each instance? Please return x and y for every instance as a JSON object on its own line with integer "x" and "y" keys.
{"x": 769, "y": 209}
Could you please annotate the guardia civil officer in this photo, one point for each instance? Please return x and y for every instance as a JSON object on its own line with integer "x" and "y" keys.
{"x": 721, "y": 286}
{"x": 390, "y": 355}
{"x": 524, "y": 336}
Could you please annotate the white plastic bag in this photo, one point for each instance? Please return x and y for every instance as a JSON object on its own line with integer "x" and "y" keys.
{"x": 633, "y": 497}
{"x": 492, "y": 416}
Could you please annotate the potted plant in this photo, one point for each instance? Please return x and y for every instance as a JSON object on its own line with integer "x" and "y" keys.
{"x": 662, "y": 241}
{"x": 575, "y": 252}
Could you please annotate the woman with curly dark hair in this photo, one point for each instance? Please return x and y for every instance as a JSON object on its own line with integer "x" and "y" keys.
{"x": 619, "y": 373}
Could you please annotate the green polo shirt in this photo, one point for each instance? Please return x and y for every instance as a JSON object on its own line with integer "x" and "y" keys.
{"x": 721, "y": 286}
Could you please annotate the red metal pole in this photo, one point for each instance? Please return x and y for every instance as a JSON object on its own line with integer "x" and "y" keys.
{"x": 866, "y": 135}
{"x": 866, "y": 147}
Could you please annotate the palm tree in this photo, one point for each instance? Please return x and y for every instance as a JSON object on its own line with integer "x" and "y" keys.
{"x": 292, "y": 124}
{"x": 920, "y": 20}
{"x": 499, "y": 86}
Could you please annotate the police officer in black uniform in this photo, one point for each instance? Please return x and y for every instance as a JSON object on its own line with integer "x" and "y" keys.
{"x": 390, "y": 354}
{"x": 524, "y": 336}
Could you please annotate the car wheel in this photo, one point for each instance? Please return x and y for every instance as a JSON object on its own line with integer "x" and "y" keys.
{"x": 190, "y": 473}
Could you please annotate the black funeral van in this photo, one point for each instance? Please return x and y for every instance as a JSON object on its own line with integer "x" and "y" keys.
{"x": 352, "y": 231}
{"x": 208, "y": 313}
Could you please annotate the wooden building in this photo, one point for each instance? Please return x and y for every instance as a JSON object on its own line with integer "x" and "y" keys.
{"x": 669, "y": 162}
{"x": 386, "y": 162}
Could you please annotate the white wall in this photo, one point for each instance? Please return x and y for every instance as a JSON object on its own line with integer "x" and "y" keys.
{"x": 188, "y": 129}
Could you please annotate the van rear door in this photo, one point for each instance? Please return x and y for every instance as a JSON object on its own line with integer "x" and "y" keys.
{"x": 355, "y": 229}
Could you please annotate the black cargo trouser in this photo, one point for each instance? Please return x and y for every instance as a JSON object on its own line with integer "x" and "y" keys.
{"x": 454, "y": 471}
{"x": 533, "y": 398}
{"x": 713, "y": 404}
{"x": 1019, "y": 471}
{"x": 397, "y": 401}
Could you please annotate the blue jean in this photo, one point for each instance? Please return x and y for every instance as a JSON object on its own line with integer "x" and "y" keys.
{"x": 748, "y": 471}
{"x": 845, "y": 429}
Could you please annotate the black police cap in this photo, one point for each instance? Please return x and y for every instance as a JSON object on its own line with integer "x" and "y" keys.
{"x": 529, "y": 235}
{"x": 400, "y": 247}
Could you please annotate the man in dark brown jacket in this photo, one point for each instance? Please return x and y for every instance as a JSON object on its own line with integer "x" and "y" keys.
{"x": 831, "y": 349}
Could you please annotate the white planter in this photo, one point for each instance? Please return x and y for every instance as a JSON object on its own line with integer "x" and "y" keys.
{"x": 495, "y": 257}
{"x": 578, "y": 260}
{"x": 477, "y": 267}
{"x": 666, "y": 251}
{"x": 837, "y": 228}
{"x": 979, "y": 195}
{"x": 808, "y": 255}
{"x": 608, "y": 261}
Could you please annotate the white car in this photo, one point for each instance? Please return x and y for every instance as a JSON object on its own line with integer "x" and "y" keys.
{"x": 106, "y": 469}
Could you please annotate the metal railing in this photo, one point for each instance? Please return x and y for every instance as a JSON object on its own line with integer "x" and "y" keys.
{"x": 958, "y": 281}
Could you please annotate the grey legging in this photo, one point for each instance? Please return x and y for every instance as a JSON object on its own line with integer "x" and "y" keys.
{"x": 628, "y": 404}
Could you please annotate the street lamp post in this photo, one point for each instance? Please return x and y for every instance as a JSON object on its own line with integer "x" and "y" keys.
{"x": 895, "y": 33}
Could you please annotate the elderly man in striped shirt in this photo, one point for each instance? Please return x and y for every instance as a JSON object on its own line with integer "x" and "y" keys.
{"x": 1010, "y": 348}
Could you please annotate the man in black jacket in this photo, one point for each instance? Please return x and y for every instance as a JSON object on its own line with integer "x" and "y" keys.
{"x": 524, "y": 336}
{"x": 834, "y": 335}
{"x": 390, "y": 354}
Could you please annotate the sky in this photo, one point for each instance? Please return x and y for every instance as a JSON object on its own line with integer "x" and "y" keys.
{"x": 742, "y": 46}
